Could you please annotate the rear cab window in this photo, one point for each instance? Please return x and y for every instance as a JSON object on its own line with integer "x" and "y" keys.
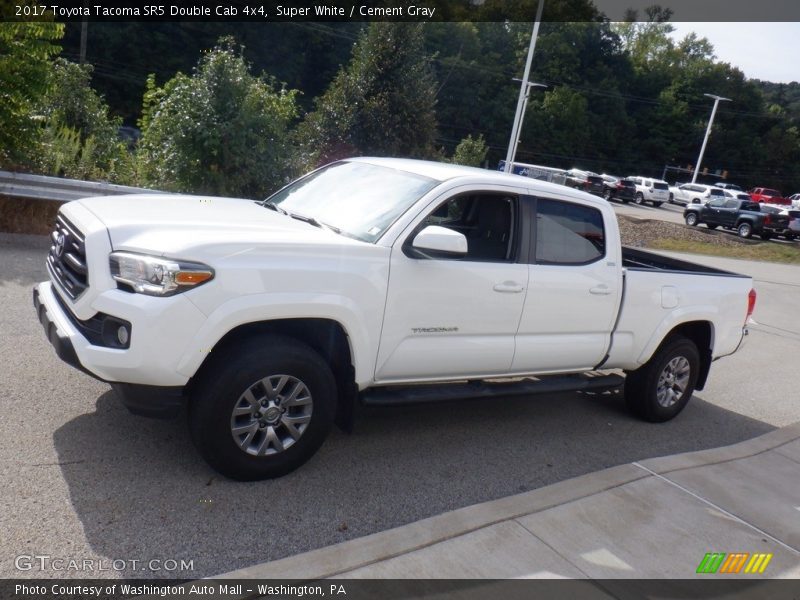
{"x": 567, "y": 233}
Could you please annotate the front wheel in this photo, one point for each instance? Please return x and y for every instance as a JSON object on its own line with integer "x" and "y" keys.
{"x": 660, "y": 389}
{"x": 691, "y": 219}
{"x": 262, "y": 408}
{"x": 639, "y": 198}
{"x": 745, "y": 230}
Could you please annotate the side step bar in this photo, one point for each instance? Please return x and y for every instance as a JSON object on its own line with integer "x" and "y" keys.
{"x": 420, "y": 394}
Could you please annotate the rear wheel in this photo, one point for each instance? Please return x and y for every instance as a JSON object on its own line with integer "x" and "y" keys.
{"x": 263, "y": 408}
{"x": 711, "y": 225}
{"x": 661, "y": 388}
{"x": 765, "y": 235}
{"x": 745, "y": 230}
{"x": 691, "y": 219}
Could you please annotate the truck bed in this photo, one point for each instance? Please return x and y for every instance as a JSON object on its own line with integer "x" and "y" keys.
{"x": 635, "y": 259}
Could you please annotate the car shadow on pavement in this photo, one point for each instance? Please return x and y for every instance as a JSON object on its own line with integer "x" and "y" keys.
{"x": 142, "y": 492}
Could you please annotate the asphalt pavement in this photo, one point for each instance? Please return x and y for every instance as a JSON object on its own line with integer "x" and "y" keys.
{"x": 84, "y": 479}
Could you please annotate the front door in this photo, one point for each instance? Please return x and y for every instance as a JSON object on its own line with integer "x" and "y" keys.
{"x": 457, "y": 316}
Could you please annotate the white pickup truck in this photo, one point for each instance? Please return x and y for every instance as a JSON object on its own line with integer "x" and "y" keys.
{"x": 376, "y": 281}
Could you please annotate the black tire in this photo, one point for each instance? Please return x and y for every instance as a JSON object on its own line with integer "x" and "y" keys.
{"x": 651, "y": 398}
{"x": 691, "y": 219}
{"x": 237, "y": 369}
{"x": 789, "y": 237}
{"x": 639, "y": 199}
{"x": 607, "y": 195}
{"x": 711, "y": 225}
{"x": 745, "y": 230}
{"x": 626, "y": 201}
{"x": 657, "y": 204}
{"x": 671, "y": 198}
{"x": 765, "y": 235}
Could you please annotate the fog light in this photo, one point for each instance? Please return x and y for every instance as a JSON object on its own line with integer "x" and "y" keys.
{"x": 122, "y": 335}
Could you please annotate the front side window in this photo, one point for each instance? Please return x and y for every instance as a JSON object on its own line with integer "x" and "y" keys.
{"x": 357, "y": 199}
{"x": 717, "y": 203}
{"x": 568, "y": 233}
{"x": 486, "y": 220}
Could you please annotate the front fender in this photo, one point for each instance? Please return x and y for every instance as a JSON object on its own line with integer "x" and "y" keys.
{"x": 255, "y": 308}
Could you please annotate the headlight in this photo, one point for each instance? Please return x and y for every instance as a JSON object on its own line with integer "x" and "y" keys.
{"x": 157, "y": 276}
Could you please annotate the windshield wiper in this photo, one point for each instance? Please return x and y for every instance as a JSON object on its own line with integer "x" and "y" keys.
{"x": 314, "y": 222}
{"x": 272, "y": 206}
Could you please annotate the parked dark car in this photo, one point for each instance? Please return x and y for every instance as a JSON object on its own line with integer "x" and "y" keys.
{"x": 744, "y": 216}
{"x": 619, "y": 189}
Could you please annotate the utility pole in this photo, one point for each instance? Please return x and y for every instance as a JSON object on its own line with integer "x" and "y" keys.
{"x": 84, "y": 34}
{"x": 531, "y": 84}
{"x": 524, "y": 88}
{"x": 698, "y": 166}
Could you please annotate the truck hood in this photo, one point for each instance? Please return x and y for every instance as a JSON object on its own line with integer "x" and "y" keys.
{"x": 174, "y": 225}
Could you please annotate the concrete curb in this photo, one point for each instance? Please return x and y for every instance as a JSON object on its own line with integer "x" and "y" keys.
{"x": 353, "y": 554}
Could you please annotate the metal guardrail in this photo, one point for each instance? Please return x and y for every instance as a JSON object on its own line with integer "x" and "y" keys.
{"x": 41, "y": 187}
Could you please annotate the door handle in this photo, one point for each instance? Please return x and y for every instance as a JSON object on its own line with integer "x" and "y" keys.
{"x": 508, "y": 287}
{"x": 600, "y": 290}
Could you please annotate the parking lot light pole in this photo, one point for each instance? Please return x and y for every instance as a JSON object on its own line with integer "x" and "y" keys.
{"x": 523, "y": 92}
{"x": 708, "y": 132}
{"x": 531, "y": 84}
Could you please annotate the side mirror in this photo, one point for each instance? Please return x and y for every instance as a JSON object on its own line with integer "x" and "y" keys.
{"x": 440, "y": 241}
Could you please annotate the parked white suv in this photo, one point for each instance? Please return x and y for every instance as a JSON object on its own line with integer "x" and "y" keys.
{"x": 654, "y": 191}
{"x": 695, "y": 193}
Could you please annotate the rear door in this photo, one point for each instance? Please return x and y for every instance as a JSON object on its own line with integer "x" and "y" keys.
{"x": 573, "y": 291}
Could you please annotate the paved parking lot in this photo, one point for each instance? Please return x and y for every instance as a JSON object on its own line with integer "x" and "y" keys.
{"x": 84, "y": 479}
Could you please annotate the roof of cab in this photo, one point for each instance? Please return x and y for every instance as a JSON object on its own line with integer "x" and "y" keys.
{"x": 447, "y": 171}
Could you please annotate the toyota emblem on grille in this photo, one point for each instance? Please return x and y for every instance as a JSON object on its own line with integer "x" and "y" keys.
{"x": 60, "y": 245}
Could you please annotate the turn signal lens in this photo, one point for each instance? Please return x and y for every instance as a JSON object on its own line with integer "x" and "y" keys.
{"x": 192, "y": 277}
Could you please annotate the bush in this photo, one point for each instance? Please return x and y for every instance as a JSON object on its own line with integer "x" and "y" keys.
{"x": 219, "y": 131}
{"x": 80, "y": 139}
{"x": 25, "y": 53}
{"x": 470, "y": 151}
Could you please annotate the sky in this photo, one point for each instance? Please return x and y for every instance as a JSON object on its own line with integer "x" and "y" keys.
{"x": 768, "y": 51}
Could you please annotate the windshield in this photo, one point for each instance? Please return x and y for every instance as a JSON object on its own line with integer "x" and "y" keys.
{"x": 359, "y": 199}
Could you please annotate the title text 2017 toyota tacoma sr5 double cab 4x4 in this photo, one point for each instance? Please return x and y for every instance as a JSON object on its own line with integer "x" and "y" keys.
{"x": 376, "y": 281}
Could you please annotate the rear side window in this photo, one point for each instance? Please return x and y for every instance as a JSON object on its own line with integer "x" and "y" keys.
{"x": 568, "y": 234}
{"x": 754, "y": 206}
{"x": 716, "y": 193}
{"x": 732, "y": 204}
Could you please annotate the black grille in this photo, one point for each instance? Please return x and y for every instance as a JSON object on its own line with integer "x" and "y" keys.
{"x": 67, "y": 258}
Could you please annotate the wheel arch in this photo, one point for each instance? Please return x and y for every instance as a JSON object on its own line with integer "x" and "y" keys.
{"x": 325, "y": 336}
{"x": 701, "y": 333}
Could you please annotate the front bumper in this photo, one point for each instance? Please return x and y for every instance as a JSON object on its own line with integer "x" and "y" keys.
{"x": 160, "y": 401}
{"x": 163, "y": 331}
{"x": 60, "y": 340}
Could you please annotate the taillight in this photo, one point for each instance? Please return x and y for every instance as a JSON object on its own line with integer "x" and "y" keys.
{"x": 751, "y": 303}
{"x": 767, "y": 219}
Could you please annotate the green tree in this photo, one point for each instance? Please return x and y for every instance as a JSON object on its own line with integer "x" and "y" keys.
{"x": 219, "y": 131}
{"x": 25, "y": 53}
{"x": 80, "y": 139}
{"x": 470, "y": 151}
{"x": 381, "y": 103}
